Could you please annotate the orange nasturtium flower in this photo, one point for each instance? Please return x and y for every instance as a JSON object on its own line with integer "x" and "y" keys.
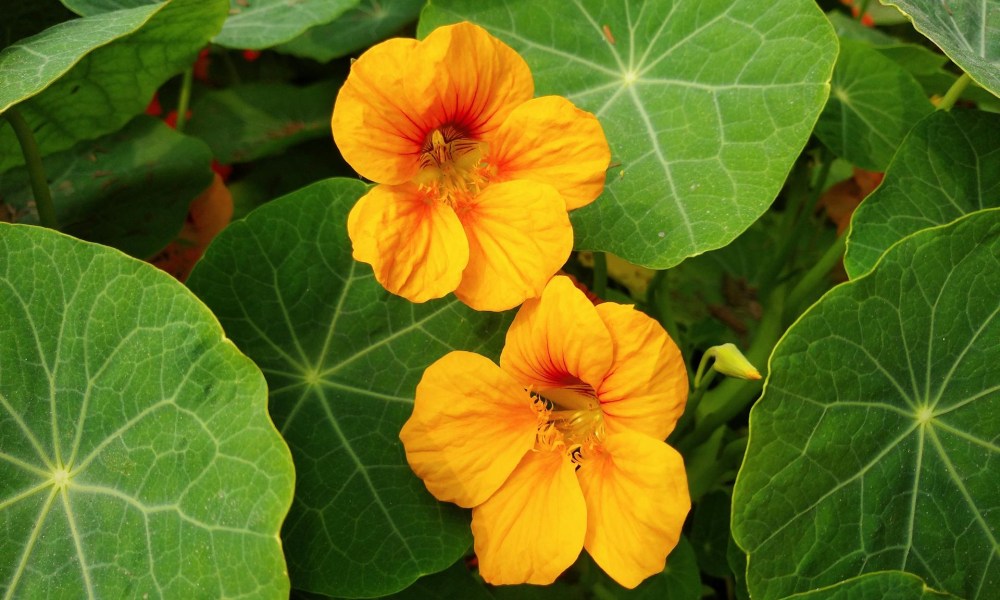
{"x": 560, "y": 447}
{"x": 475, "y": 176}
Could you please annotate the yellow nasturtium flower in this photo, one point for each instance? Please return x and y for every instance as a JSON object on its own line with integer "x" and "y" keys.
{"x": 475, "y": 176}
{"x": 560, "y": 447}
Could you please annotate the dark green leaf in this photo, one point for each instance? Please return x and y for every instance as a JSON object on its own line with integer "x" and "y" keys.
{"x": 130, "y": 189}
{"x": 246, "y": 122}
{"x": 874, "y": 446}
{"x": 87, "y": 77}
{"x": 885, "y": 585}
{"x": 705, "y": 104}
{"x": 948, "y": 166}
{"x": 136, "y": 454}
{"x": 680, "y": 579}
{"x": 342, "y": 358}
{"x": 872, "y": 106}
{"x": 265, "y": 23}
{"x": 710, "y": 534}
{"x": 370, "y": 22}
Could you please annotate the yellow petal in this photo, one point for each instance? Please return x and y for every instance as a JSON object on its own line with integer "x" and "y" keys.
{"x": 415, "y": 244}
{"x": 557, "y": 340}
{"x": 646, "y": 387}
{"x": 465, "y": 77}
{"x": 532, "y": 529}
{"x": 549, "y": 140}
{"x": 377, "y": 130}
{"x": 519, "y": 235}
{"x": 470, "y": 427}
{"x": 637, "y": 500}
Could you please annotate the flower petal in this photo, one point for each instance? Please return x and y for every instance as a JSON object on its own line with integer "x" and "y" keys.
{"x": 519, "y": 235}
{"x": 646, "y": 387}
{"x": 376, "y": 129}
{"x": 557, "y": 340}
{"x": 467, "y": 78}
{"x": 532, "y": 529}
{"x": 637, "y": 500}
{"x": 549, "y": 140}
{"x": 470, "y": 427}
{"x": 416, "y": 245}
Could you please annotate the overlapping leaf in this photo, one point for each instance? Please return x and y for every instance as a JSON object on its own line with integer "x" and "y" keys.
{"x": 370, "y": 22}
{"x": 87, "y": 77}
{"x": 872, "y": 106}
{"x": 265, "y": 23}
{"x": 130, "y": 189}
{"x": 706, "y": 106}
{"x": 342, "y": 358}
{"x": 948, "y": 166}
{"x": 136, "y": 453}
{"x": 874, "y": 446}
{"x": 968, "y": 31}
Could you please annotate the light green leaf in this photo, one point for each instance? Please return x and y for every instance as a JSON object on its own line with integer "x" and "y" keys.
{"x": 264, "y": 23}
{"x": 968, "y": 31}
{"x": 948, "y": 166}
{"x": 136, "y": 454}
{"x": 884, "y": 585}
{"x": 874, "y": 446}
{"x": 706, "y": 105}
{"x": 342, "y": 358}
{"x": 370, "y": 22}
{"x": 916, "y": 59}
{"x": 87, "y": 77}
{"x": 130, "y": 189}
{"x": 246, "y": 122}
{"x": 872, "y": 106}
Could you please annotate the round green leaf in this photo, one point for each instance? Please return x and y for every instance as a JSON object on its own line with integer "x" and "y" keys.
{"x": 884, "y": 585}
{"x": 706, "y": 105}
{"x": 246, "y": 122}
{"x": 968, "y": 31}
{"x": 872, "y": 106}
{"x": 948, "y": 166}
{"x": 342, "y": 359}
{"x": 136, "y": 453}
{"x": 130, "y": 189}
{"x": 370, "y": 22}
{"x": 874, "y": 446}
{"x": 264, "y": 23}
{"x": 87, "y": 77}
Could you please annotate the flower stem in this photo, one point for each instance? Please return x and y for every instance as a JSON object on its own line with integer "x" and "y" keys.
{"x": 36, "y": 173}
{"x": 600, "y": 283}
{"x": 954, "y": 92}
{"x": 185, "y": 99}
{"x": 814, "y": 276}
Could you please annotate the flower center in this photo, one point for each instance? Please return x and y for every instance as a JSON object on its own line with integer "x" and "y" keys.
{"x": 570, "y": 418}
{"x": 451, "y": 164}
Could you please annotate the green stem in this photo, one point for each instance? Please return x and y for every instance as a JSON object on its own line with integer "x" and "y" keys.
{"x": 815, "y": 276}
{"x": 731, "y": 396}
{"x": 36, "y": 173}
{"x": 185, "y": 99}
{"x": 600, "y": 283}
{"x": 954, "y": 92}
{"x": 863, "y": 9}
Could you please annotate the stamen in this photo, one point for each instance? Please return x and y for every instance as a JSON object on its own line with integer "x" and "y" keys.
{"x": 451, "y": 164}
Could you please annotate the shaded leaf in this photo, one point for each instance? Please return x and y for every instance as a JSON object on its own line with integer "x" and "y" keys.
{"x": 88, "y": 77}
{"x": 948, "y": 166}
{"x": 342, "y": 359}
{"x": 136, "y": 454}
{"x": 680, "y": 579}
{"x": 130, "y": 189}
{"x": 885, "y": 585}
{"x": 706, "y": 106}
{"x": 874, "y": 446}
{"x": 371, "y": 21}
{"x": 872, "y": 106}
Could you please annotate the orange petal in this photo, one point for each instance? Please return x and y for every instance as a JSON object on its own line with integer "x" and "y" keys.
{"x": 415, "y": 244}
{"x": 549, "y": 140}
{"x": 376, "y": 129}
{"x": 519, "y": 235}
{"x": 646, "y": 387}
{"x": 470, "y": 427}
{"x": 557, "y": 340}
{"x": 637, "y": 500}
{"x": 532, "y": 529}
{"x": 465, "y": 77}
